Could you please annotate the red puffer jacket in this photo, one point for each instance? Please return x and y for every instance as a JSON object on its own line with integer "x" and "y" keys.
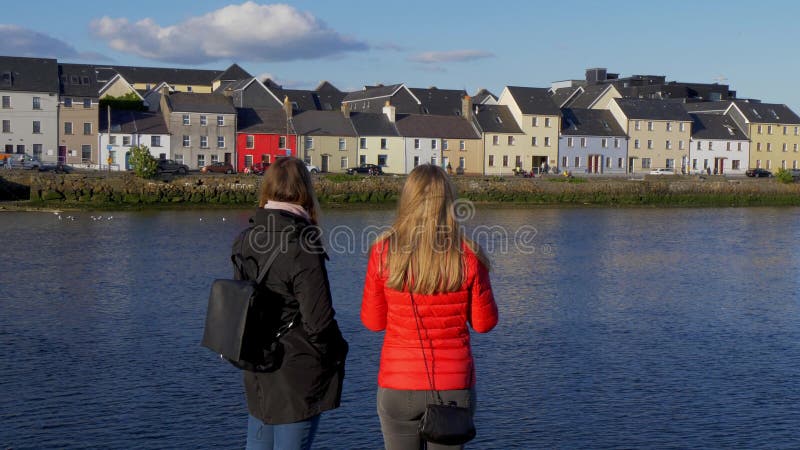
{"x": 444, "y": 319}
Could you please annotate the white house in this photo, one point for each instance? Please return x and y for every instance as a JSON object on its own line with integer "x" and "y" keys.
{"x": 130, "y": 129}
{"x": 718, "y": 146}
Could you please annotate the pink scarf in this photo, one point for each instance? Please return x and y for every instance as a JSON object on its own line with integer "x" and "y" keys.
{"x": 288, "y": 207}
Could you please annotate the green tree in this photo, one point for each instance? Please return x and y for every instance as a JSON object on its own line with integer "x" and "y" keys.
{"x": 784, "y": 176}
{"x": 129, "y": 102}
{"x": 142, "y": 162}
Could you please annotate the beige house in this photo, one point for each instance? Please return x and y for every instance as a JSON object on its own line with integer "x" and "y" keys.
{"x": 78, "y": 112}
{"x": 539, "y": 119}
{"x": 659, "y": 133}
{"x": 379, "y": 141}
{"x": 774, "y": 132}
{"x": 499, "y": 130}
{"x": 327, "y": 139}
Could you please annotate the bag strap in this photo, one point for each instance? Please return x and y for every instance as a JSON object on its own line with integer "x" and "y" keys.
{"x": 238, "y": 260}
{"x": 418, "y": 320}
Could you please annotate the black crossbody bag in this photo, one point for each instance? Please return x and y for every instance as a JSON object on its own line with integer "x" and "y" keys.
{"x": 446, "y": 424}
{"x": 238, "y": 323}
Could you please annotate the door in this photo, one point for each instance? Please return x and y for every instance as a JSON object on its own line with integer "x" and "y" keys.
{"x": 127, "y": 160}
{"x": 325, "y": 162}
{"x": 62, "y": 154}
{"x": 630, "y": 164}
{"x": 228, "y": 158}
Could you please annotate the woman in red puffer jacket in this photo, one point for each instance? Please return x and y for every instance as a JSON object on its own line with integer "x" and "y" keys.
{"x": 426, "y": 282}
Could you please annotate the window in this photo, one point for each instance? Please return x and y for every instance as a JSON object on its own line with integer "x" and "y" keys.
{"x": 569, "y": 142}
{"x": 577, "y": 161}
{"x": 769, "y": 146}
{"x": 155, "y": 141}
{"x": 112, "y": 155}
{"x": 699, "y": 145}
{"x": 739, "y": 147}
{"x": 187, "y": 141}
{"x": 87, "y": 128}
{"x": 710, "y": 145}
{"x": 619, "y": 163}
{"x": 495, "y": 140}
{"x": 362, "y": 159}
{"x": 342, "y": 144}
{"x": 37, "y": 150}
{"x": 462, "y": 162}
{"x": 248, "y": 160}
{"x": 87, "y": 103}
{"x": 462, "y": 145}
{"x": 7, "y": 103}
{"x": 67, "y": 127}
{"x": 794, "y": 147}
{"x": 37, "y": 127}
{"x": 547, "y": 142}
{"x": 434, "y": 161}
{"x": 220, "y": 121}
{"x": 67, "y": 102}
{"x": 758, "y": 163}
{"x": 769, "y": 128}
{"x": 758, "y": 129}
{"x": 636, "y": 143}
{"x": 735, "y": 164}
{"x": 784, "y": 147}
{"x": 203, "y": 121}
{"x": 214, "y": 158}
{"x": 309, "y": 142}
{"x": 583, "y": 142}
{"x": 670, "y": 163}
{"x": 650, "y": 143}
{"x": 445, "y": 145}
{"x": 608, "y": 162}
{"x": 518, "y": 161}
{"x": 769, "y": 164}
{"x": 178, "y": 158}
{"x": 705, "y": 164}
{"x": 186, "y": 120}
{"x": 534, "y": 121}
{"x": 783, "y": 164}
{"x": 250, "y": 141}
{"x": 416, "y": 144}
{"x": 37, "y": 103}
{"x": 682, "y": 127}
{"x": 616, "y": 142}
{"x": 220, "y": 141}
{"x": 796, "y": 131}
{"x": 636, "y": 125}
{"x": 433, "y": 144}
{"x": 382, "y": 160}
{"x": 201, "y": 160}
{"x": 534, "y": 141}
{"x": 188, "y": 89}
{"x": 126, "y": 141}
{"x": 511, "y": 140}
{"x": 669, "y": 126}
{"x": 384, "y": 144}
{"x": 758, "y": 146}
{"x": 645, "y": 163}
{"x": 680, "y": 144}
{"x": 6, "y": 126}
{"x": 564, "y": 161}
{"x": 86, "y": 153}
{"x": 505, "y": 160}
{"x": 604, "y": 143}
{"x": 282, "y": 142}
{"x": 491, "y": 160}
{"x": 203, "y": 141}
{"x": 649, "y": 126}
{"x": 112, "y": 140}
{"x": 362, "y": 143}
{"x": 668, "y": 144}
{"x": 728, "y": 146}
{"x": 785, "y": 130}
{"x": 694, "y": 164}
{"x": 343, "y": 163}
{"x": 547, "y": 122}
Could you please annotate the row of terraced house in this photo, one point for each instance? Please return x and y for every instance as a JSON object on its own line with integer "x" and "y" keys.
{"x": 600, "y": 124}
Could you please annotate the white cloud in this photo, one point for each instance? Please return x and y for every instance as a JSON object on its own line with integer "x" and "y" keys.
{"x": 19, "y": 41}
{"x": 450, "y": 56}
{"x": 245, "y": 32}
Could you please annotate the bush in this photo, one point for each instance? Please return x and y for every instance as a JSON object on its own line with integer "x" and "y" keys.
{"x": 784, "y": 176}
{"x": 143, "y": 163}
{"x": 342, "y": 177}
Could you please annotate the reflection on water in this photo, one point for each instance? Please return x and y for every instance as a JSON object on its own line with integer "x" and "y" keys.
{"x": 631, "y": 328}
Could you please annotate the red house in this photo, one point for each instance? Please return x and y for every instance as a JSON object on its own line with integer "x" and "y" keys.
{"x": 263, "y": 135}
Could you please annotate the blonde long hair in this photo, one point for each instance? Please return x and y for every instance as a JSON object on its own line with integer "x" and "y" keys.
{"x": 288, "y": 180}
{"x": 425, "y": 243}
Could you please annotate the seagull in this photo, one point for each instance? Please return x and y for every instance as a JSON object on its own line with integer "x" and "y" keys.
{"x": 224, "y": 219}
{"x": 59, "y": 216}
{"x": 201, "y": 219}
{"x": 110, "y": 217}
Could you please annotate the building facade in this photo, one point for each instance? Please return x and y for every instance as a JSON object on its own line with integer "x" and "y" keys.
{"x": 263, "y": 135}
{"x": 718, "y": 146}
{"x": 592, "y": 142}
{"x": 539, "y": 119}
{"x": 327, "y": 139}
{"x": 774, "y": 132}
{"x": 78, "y": 115}
{"x": 131, "y": 129}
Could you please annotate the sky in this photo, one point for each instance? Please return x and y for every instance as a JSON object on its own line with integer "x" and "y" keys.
{"x": 752, "y": 46}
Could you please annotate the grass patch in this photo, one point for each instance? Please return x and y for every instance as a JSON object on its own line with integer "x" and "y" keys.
{"x": 567, "y": 180}
{"x": 341, "y": 178}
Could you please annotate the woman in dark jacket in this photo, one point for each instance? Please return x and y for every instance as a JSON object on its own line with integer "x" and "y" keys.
{"x": 285, "y": 405}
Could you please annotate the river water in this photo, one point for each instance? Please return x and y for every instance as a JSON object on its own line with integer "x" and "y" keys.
{"x": 620, "y": 328}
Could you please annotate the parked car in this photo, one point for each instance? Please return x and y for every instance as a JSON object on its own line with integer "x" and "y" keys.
{"x": 795, "y": 174}
{"x": 758, "y": 172}
{"x": 56, "y": 168}
{"x": 259, "y": 168}
{"x": 170, "y": 166}
{"x": 218, "y": 167}
{"x": 365, "y": 169}
{"x": 312, "y": 168}
{"x": 662, "y": 172}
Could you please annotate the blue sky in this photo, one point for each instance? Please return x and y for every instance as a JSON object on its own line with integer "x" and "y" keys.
{"x": 449, "y": 44}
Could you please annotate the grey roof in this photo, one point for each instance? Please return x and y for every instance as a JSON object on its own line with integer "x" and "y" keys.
{"x": 435, "y": 126}
{"x": 561, "y": 96}
{"x": 588, "y": 96}
{"x": 590, "y": 122}
{"x": 200, "y": 103}
{"x": 304, "y": 99}
{"x": 534, "y": 100}
{"x": 715, "y": 126}
{"x": 445, "y": 102}
{"x": 373, "y": 124}
{"x": 323, "y": 123}
{"x": 155, "y": 75}
{"x": 28, "y": 74}
{"x": 652, "y": 109}
{"x": 481, "y": 96}
{"x": 372, "y": 92}
{"x": 78, "y": 80}
{"x": 767, "y": 112}
{"x": 228, "y": 85}
{"x": 233, "y": 73}
{"x": 133, "y": 122}
{"x": 497, "y": 119}
{"x": 270, "y": 121}
{"x": 707, "y": 107}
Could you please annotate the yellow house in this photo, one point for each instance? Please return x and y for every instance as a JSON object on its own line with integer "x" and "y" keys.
{"x": 378, "y": 140}
{"x": 659, "y": 132}
{"x": 327, "y": 139}
{"x": 774, "y": 133}
{"x": 144, "y": 79}
{"x": 500, "y": 131}
{"x": 539, "y": 119}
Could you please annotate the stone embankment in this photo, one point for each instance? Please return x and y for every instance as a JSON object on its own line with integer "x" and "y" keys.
{"x": 121, "y": 190}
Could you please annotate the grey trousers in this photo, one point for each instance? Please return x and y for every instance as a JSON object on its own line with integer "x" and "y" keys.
{"x": 401, "y": 410}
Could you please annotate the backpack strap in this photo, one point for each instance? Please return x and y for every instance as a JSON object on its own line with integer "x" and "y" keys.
{"x": 238, "y": 259}
{"x": 263, "y": 271}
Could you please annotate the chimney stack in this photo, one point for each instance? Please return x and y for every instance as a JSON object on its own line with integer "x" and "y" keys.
{"x": 287, "y": 107}
{"x": 346, "y": 109}
{"x": 389, "y": 110}
{"x": 466, "y": 107}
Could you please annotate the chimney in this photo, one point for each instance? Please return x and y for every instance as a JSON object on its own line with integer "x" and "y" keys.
{"x": 346, "y": 109}
{"x": 287, "y": 107}
{"x": 164, "y": 90}
{"x": 466, "y": 107}
{"x": 389, "y": 110}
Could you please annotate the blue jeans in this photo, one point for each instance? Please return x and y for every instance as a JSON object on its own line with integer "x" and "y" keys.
{"x": 288, "y": 436}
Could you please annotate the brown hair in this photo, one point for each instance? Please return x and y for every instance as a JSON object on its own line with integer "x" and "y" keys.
{"x": 288, "y": 180}
{"x": 425, "y": 242}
